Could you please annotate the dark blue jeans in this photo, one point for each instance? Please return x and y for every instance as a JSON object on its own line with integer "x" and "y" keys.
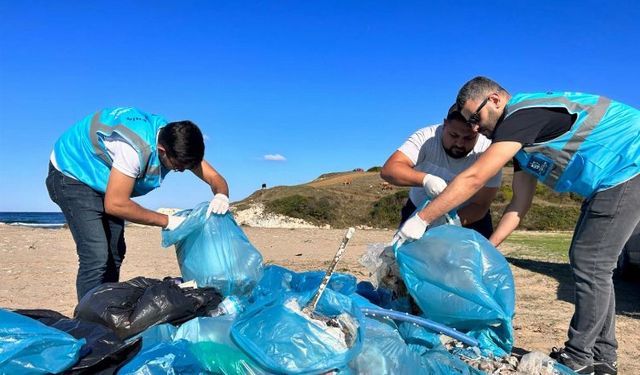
{"x": 99, "y": 237}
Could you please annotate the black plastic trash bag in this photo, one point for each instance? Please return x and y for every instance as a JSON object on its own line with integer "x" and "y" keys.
{"x": 103, "y": 353}
{"x": 132, "y": 306}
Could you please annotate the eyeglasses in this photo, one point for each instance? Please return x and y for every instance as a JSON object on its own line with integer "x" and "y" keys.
{"x": 475, "y": 117}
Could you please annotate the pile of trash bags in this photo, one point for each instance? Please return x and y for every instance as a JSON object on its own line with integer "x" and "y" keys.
{"x": 242, "y": 317}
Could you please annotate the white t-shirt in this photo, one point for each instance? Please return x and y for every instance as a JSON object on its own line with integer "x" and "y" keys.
{"x": 124, "y": 156}
{"x": 424, "y": 149}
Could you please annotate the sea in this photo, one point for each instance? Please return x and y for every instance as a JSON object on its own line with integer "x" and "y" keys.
{"x": 51, "y": 220}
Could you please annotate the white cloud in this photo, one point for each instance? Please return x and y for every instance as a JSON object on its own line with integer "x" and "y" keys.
{"x": 274, "y": 157}
{"x": 205, "y": 137}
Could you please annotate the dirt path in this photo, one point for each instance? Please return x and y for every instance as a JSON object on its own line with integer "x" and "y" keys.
{"x": 38, "y": 270}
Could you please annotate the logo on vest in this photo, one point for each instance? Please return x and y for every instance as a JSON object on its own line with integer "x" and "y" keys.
{"x": 540, "y": 165}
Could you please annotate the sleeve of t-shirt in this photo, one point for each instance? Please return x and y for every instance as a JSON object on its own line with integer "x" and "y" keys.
{"x": 124, "y": 156}
{"x": 411, "y": 147}
{"x": 523, "y": 127}
{"x": 532, "y": 125}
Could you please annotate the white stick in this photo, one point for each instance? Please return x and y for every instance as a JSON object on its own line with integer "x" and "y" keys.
{"x": 311, "y": 306}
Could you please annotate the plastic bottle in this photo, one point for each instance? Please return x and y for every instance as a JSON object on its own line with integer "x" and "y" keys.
{"x": 231, "y": 305}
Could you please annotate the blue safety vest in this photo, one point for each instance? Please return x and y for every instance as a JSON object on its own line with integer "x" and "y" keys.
{"x": 80, "y": 152}
{"x": 600, "y": 150}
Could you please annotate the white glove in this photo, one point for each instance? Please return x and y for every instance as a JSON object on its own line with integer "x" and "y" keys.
{"x": 433, "y": 185}
{"x": 412, "y": 229}
{"x": 174, "y": 222}
{"x": 219, "y": 205}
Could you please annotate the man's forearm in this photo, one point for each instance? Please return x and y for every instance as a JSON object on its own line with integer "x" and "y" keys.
{"x": 402, "y": 175}
{"x": 133, "y": 212}
{"x": 508, "y": 223}
{"x": 459, "y": 191}
{"x": 219, "y": 185}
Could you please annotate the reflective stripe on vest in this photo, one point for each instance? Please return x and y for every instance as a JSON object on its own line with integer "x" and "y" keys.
{"x": 132, "y": 137}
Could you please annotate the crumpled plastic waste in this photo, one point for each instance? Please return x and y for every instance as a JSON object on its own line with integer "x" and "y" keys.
{"x": 275, "y": 332}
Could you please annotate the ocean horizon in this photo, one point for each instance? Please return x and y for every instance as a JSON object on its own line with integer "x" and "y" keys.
{"x": 33, "y": 219}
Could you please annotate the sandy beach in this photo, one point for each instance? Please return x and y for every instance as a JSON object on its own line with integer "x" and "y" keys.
{"x": 38, "y": 270}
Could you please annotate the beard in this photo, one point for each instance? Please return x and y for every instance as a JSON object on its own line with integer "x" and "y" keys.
{"x": 457, "y": 152}
{"x": 494, "y": 119}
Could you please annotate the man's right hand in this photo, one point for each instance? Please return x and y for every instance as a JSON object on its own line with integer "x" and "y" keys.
{"x": 433, "y": 185}
{"x": 412, "y": 229}
{"x": 174, "y": 222}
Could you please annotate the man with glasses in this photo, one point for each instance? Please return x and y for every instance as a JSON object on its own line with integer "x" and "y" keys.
{"x": 572, "y": 142}
{"x": 98, "y": 164}
{"x": 432, "y": 157}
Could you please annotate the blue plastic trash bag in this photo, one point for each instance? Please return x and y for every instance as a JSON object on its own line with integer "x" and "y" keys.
{"x": 198, "y": 346}
{"x": 442, "y": 362}
{"x": 391, "y": 348}
{"x": 210, "y": 342}
{"x": 418, "y": 338}
{"x": 155, "y": 335}
{"x": 214, "y": 252}
{"x": 384, "y": 351}
{"x": 165, "y": 358}
{"x": 30, "y": 347}
{"x": 282, "y": 339}
{"x": 277, "y": 280}
{"x": 460, "y": 279}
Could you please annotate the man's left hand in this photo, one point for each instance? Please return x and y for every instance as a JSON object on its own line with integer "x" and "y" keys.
{"x": 219, "y": 205}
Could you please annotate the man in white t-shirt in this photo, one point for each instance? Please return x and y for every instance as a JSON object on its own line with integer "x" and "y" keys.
{"x": 432, "y": 157}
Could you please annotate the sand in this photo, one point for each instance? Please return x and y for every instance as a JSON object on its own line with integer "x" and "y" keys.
{"x": 38, "y": 270}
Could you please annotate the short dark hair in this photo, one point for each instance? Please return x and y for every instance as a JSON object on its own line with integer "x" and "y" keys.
{"x": 477, "y": 89}
{"x": 455, "y": 114}
{"x": 183, "y": 142}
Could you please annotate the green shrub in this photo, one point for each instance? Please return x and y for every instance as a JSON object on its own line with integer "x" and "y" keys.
{"x": 312, "y": 209}
{"x": 545, "y": 193}
{"x": 374, "y": 169}
{"x": 385, "y": 212}
{"x": 544, "y": 217}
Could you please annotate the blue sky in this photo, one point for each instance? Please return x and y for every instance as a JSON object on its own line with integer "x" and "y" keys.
{"x": 327, "y": 85}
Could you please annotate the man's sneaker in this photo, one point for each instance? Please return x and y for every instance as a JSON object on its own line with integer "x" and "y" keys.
{"x": 605, "y": 368}
{"x": 564, "y": 359}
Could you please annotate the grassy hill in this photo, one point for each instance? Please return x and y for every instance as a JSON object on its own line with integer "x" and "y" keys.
{"x": 549, "y": 210}
{"x": 343, "y": 199}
